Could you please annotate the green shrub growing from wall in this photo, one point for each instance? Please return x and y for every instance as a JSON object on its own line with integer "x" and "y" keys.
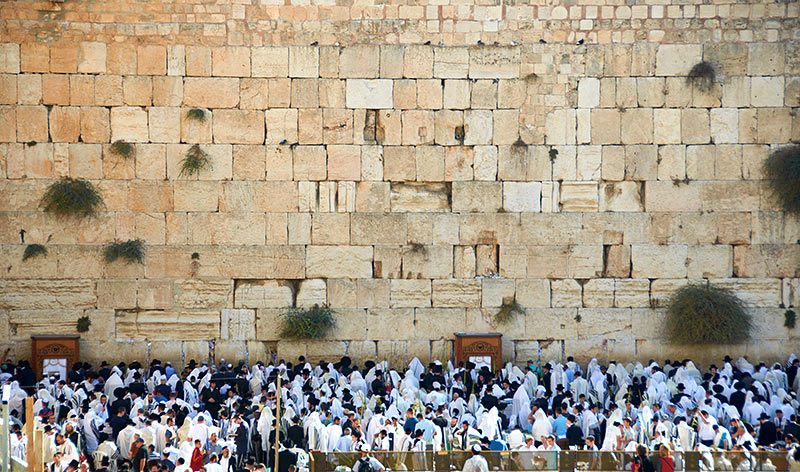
{"x": 34, "y": 250}
{"x": 129, "y": 251}
{"x": 307, "y": 323}
{"x": 706, "y": 314}
{"x": 72, "y": 197}
{"x": 782, "y": 174}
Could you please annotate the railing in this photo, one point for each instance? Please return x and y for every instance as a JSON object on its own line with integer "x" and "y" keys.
{"x": 562, "y": 461}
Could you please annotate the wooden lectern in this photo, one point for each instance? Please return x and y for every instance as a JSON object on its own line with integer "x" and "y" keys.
{"x": 52, "y": 355}
{"x": 481, "y": 349}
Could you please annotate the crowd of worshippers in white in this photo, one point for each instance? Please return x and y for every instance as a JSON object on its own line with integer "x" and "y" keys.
{"x": 222, "y": 417}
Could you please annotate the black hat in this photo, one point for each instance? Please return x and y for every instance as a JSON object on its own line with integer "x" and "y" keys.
{"x": 763, "y": 416}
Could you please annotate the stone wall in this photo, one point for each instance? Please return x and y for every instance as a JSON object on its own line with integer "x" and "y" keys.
{"x": 411, "y": 165}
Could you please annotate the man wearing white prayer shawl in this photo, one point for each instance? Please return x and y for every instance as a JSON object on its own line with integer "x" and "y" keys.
{"x": 199, "y": 431}
{"x": 334, "y": 433}
{"x": 125, "y": 440}
{"x": 515, "y": 439}
{"x": 317, "y": 434}
{"x": 521, "y": 408}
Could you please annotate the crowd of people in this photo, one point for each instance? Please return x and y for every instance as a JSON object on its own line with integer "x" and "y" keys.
{"x": 221, "y": 418}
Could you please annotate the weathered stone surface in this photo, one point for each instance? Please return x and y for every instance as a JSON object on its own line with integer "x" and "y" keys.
{"x": 161, "y": 325}
{"x": 334, "y": 261}
{"x": 456, "y": 293}
{"x": 419, "y": 197}
{"x": 46, "y": 294}
{"x": 369, "y": 93}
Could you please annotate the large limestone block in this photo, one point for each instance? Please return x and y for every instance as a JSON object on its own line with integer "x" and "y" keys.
{"x": 25, "y": 323}
{"x": 168, "y": 326}
{"x": 709, "y": 261}
{"x": 369, "y": 93}
{"x": 450, "y": 62}
{"x": 677, "y": 59}
{"x": 119, "y": 294}
{"x": 757, "y": 292}
{"x": 372, "y": 228}
{"x": 579, "y": 196}
{"x": 605, "y": 323}
{"x": 239, "y": 127}
{"x": 631, "y": 293}
{"x": 312, "y": 292}
{"x": 551, "y": 323}
{"x": 496, "y": 292}
{"x": 457, "y": 293}
{"x": 766, "y": 260}
{"x": 730, "y": 196}
{"x": 622, "y": 196}
{"x": 390, "y": 323}
{"x": 418, "y": 62}
{"x": 585, "y": 261}
{"x": 420, "y": 197}
{"x": 47, "y": 294}
{"x": 211, "y": 92}
{"x": 227, "y": 228}
{"x": 270, "y": 61}
{"x": 670, "y": 196}
{"x": 477, "y": 196}
{"x": 238, "y": 324}
{"x": 659, "y": 261}
{"x": 533, "y": 293}
{"x": 588, "y": 92}
{"x": 429, "y": 262}
{"x": 204, "y": 294}
{"x": 487, "y": 62}
{"x": 522, "y": 196}
{"x": 765, "y": 59}
{"x": 767, "y": 91}
{"x": 230, "y": 61}
{"x": 304, "y": 61}
{"x": 339, "y": 261}
{"x": 410, "y": 293}
{"x": 438, "y": 323}
{"x": 598, "y": 293}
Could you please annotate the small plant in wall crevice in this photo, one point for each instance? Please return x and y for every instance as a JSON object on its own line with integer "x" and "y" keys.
{"x": 83, "y": 324}
{"x": 122, "y": 149}
{"x": 34, "y": 250}
{"x": 196, "y": 160}
{"x": 702, "y": 75}
{"x": 307, "y": 323}
{"x": 789, "y": 319}
{"x": 508, "y": 310}
{"x": 129, "y": 251}
{"x": 782, "y": 176}
{"x": 72, "y": 197}
{"x": 196, "y": 114}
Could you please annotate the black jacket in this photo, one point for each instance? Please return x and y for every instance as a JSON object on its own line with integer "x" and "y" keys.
{"x": 767, "y": 433}
{"x": 575, "y": 436}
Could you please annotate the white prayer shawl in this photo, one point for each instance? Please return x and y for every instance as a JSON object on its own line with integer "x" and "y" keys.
{"x": 531, "y": 382}
{"x": 199, "y": 431}
{"x": 125, "y": 440}
{"x": 317, "y": 434}
{"x": 410, "y": 381}
{"x": 416, "y": 367}
{"x": 743, "y": 365}
{"x": 541, "y": 425}
{"x": 114, "y": 382}
{"x": 88, "y": 424}
{"x": 521, "y": 408}
{"x": 557, "y": 377}
{"x": 357, "y": 383}
{"x": 334, "y": 432}
{"x": 489, "y": 424}
{"x": 579, "y": 387}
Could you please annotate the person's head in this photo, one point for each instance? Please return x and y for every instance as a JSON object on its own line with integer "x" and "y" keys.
{"x": 663, "y": 450}
{"x": 197, "y": 444}
{"x": 590, "y": 440}
{"x": 476, "y": 450}
{"x": 641, "y": 450}
{"x": 364, "y": 450}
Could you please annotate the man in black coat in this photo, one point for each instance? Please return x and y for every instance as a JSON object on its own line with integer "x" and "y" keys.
{"x": 738, "y": 397}
{"x": 295, "y": 433}
{"x": 240, "y": 437}
{"x": 574, "y": 433}
{"x": 768, "y": 432}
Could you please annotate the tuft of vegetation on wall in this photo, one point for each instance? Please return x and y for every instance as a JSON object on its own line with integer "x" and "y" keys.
{"x": 782, "y": 175}
{"x": 508, "y": 311}
{"x": 702, "y": 75}
{"x": 706, "y": 314}
{"x": 129, "y": 251}
{"x": 196, "y": 114}
{"x": 307, "y": 323}
{"x": 72, "y": 197}
{"x": 789, "y": 319}
{"x": 83, "y": 324}
{"x": 122, "y": 149}
{"x": 196, "y": 160}
{"x": 34, "y": 250}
